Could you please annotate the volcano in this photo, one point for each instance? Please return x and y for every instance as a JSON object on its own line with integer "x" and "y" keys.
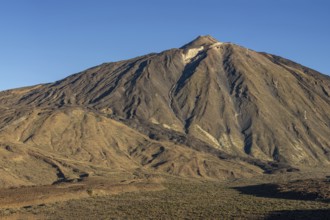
{"x": 208, "y": 110}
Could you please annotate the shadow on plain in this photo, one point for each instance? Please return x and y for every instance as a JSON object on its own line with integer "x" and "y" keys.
{"x": 318, "y": 214}
{"x": 272, "y": 191}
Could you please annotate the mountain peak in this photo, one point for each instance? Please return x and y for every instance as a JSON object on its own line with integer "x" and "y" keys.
{"x": 206, "y": 110}
{"x": 200, "y": 41}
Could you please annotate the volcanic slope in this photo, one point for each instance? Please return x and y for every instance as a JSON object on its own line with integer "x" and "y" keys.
{"x": 208, "y": 110}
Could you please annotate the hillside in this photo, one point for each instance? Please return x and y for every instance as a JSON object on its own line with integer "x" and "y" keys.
{"x": 206, "y": 110}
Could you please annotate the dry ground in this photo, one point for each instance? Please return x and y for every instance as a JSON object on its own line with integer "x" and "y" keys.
{"x": 264, "y": 197}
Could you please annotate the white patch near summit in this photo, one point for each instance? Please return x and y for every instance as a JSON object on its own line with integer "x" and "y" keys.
{"x": 191, "y": 53}
{"x": 216, "y": 44}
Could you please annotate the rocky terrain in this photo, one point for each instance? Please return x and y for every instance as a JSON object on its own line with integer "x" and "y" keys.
{"x": 209, "y": 111}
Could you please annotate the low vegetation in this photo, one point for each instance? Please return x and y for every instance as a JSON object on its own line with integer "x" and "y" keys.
{"x": 183, "y": 199}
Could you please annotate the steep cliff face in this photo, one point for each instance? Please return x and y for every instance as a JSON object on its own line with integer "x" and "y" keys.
{"x": 209, "y": 99}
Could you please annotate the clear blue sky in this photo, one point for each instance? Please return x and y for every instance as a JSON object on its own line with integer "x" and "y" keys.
{"x": 46, "y": 40}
